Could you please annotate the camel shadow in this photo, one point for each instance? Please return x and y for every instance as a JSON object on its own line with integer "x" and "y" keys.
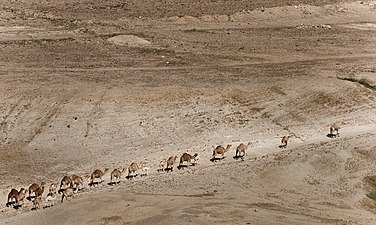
{"x": 332, "y": 135}
{"x": 215, "y": 159}
{"x": 30, "y": 198}
{"x": 168, "y": 169}
{"x": 76, "y": 189}
{"x": 96, "y": 183}
{"x": 79, "y": 189}
{"x": 14, "y": 204}
{"x": 17, "y": 206}
{"x": 113, "y": 183}
{"x": 182, "y": 167}
{"x": 60, "y": 190}
{"x": 34, "y": 208}
{"x": 282, "y": 146}
{"x": 130, "y": 177}
{"x": 236, "y": 157}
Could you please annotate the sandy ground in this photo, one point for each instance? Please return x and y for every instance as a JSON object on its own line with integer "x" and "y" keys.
{"x": 101, "y": 84}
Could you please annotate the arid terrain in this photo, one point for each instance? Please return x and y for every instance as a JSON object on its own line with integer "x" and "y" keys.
{"x": 88, "y": 85}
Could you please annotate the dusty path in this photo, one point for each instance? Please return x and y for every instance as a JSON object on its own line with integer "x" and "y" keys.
{"x": 326, "y": 178}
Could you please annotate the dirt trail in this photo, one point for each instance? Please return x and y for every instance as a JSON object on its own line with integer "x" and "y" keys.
{"x": 326, "y": 193}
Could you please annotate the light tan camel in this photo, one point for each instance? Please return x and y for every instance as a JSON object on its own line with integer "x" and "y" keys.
{"x": 98, "y": 174}
{"x": 76, "y": 182}
{"x": 186, "y": 157}
{"x": 18, "y": 196}
{"x": 67, "y": 193}
{"x": 50, "y": 200}
{"x": 36, "y": 189}
{"x": 52, "y": 189}
{"x": 116, "y": 174}
{"x": 133, "y": 169}
{"x": 162, "y": 165}
{"x": 65, "y": 182}
{"x": 170, "y": 163}
{"x": 334, "y": 128}
{"x": 285, "y": 140}
{"x": 37, "y": 202}
{"x": 220, "y": 150}
{"x": 241, "y": 149}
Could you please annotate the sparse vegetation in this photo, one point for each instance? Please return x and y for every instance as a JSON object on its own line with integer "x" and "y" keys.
{"x": 370, "y": 188}
{"x": 372, "y": 195}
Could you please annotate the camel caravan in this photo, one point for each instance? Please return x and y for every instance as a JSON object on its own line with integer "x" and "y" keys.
{"x": 70, "y": 185}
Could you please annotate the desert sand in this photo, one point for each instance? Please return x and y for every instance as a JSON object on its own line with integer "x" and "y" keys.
{"x": 88, "y": 85}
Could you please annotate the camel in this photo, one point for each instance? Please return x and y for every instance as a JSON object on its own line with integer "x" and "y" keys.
{"x": 53, "y": 188}
{"x": 65, "y": 182}
{"x": 284, "y": 141}
{"x": 39, "y": 191}
{"x": 162, "y": 165}
{"x": 37, "y": 202}
{"x": 334, "y": 128}
{"x": 116, "y": 174}
{"x": 67, "y": 193}
{"x": 13, "y": 194}
{"x": 144, "y": 171}
{"x": 76, "y": 181}
{"x": 18, "y": 196}
{"x": 170, "y": 163}
{"x": 186, "y": 157}
{"x": 36, "y": 189}
{"x": 220, "y": 150}
{"x": 50, "y": 200}
{"x": 98, "y": 174}
{"x": 32, "y": 188}
{"x": 240, "y": 150}
{"x": 133, "y": 168}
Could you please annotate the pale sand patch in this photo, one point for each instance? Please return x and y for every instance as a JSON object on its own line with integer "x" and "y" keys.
{"x": 361, "y": 26}
{"x": 368, "y": 77}
{"x": 129, "y": 40}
